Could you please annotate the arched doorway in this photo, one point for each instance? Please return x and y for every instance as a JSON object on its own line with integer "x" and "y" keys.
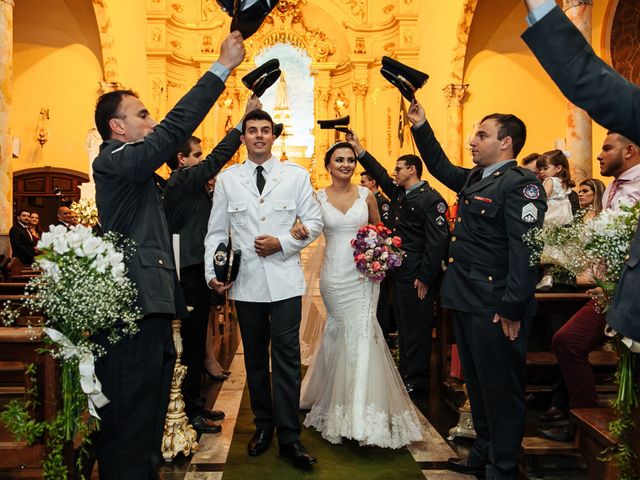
{"x": 43, "y": 190}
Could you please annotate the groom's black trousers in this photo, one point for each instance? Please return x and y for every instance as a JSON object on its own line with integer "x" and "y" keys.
{"x": 274, "y": 401}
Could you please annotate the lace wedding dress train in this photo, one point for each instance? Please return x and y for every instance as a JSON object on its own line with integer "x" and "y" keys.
{"x": 352, "y": 388}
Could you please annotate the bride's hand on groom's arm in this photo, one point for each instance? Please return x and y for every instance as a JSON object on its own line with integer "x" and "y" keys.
{"x": 299, "y": 231}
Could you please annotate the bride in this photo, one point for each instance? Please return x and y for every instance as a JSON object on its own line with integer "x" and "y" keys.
{"x": 352, "y": 387}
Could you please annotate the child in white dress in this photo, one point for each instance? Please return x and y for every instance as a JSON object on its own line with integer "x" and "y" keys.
{"x": 554, "y": 172}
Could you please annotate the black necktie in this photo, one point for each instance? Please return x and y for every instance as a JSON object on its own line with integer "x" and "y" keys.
{"x": 260, "y": 178}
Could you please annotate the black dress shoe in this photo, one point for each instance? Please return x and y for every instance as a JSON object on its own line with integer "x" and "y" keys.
{"x": 214, "y": 415}
{"x": 553, "y": 414}
{"x": 461, "y": 466}
{"x": 259, "y": 442}
{"x": 560, "y": 434}
{"x": 297, "y": 453}
{"x": 202, "y": 425}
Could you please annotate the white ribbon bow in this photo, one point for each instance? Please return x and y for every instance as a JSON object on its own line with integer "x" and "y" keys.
{"x": 88, "y": 380}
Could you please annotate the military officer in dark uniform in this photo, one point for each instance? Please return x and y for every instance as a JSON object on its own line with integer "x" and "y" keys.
{"x": 366, "y": 180}
{"x": 417, "y": 217}
{"x": 489, "y": 283}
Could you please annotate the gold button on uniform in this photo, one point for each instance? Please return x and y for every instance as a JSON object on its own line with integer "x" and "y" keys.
{"x": 626, "y": 257}
{"x": 482, "y": 211}
{"x": 459, "y": 219}
{"x": 466, "y": 202}
{"x": 160, "y": 262}
{"x": 453, "y": 239}
{"x": 490, "y": 278}
{"x": 450, "y": 259}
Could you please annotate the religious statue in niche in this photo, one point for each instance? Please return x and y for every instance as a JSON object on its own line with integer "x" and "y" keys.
{"x": 92, "y": 145}
{"x": 341, "y": 105}
{"x": 360, "y": 47}
{"x": 207, "y": 44}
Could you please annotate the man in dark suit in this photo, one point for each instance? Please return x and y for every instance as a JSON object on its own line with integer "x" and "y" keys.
{"x": 417, "y": 217}
{"x": 22, "y": 246}
{"x": 136, "y": 372}
{"x": 489, "y": 284}
{"x": 188, "y": 205}
{"x": 64, "y": 217}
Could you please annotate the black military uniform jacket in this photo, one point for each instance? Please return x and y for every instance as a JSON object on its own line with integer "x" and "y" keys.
{"x": 384, "y": 207}
{"x": 418, "y": 219}
{"x": 129, "y": 202}
{"x": 489, "y": 267}
{"x": 187, "y": 202}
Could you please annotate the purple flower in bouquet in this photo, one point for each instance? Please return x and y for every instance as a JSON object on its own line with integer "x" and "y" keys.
{"x": 376, "y": 252}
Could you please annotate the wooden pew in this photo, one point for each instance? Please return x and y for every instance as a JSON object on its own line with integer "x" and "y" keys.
{"x": 592, "y": 438}
{"x": 18, "y": 347}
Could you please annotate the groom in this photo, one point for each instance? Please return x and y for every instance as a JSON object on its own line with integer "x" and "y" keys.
{"x": 257, "y": 203}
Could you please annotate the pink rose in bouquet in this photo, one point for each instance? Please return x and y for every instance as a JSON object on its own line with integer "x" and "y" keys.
{"x": 376, "y": 251}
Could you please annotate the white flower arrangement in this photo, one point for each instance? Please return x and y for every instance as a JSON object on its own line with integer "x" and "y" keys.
{"x": 597, "y": 247}
{"x": 86, "y": 210}
{"x": 83, "y": 291}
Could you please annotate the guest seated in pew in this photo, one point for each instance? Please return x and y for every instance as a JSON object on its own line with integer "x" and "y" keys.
{"x": 590, "y": 194}
{"x": 620, "y": 158}
{"x": 22, "y": 245}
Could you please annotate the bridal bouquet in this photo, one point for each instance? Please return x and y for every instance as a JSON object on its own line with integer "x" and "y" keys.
{"x": 376, "y": 251}
{"x": 82, "y": 291}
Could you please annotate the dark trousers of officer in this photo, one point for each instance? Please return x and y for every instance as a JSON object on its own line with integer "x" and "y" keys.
{"x": 136, "y": 377}
{"x": 384, "y": 311}
{"x": 494, "y": 369}
{"x": 275, "y": 402}
{"x": 194, "y": 334}
{"x": 415, "y": 322}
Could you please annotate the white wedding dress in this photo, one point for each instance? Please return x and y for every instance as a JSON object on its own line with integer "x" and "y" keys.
{"x": 352, "y": 387}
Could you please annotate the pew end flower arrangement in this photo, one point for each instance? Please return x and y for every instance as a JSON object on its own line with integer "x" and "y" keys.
{"x": 82, "y": 292}
{"x": 600, "y": 247}
{"x": 376, "y": 251}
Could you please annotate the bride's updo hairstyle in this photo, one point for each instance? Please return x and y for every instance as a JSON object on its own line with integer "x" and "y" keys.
{"x": 333, "y": 148}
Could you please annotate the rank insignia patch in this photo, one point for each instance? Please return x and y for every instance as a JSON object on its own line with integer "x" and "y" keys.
{"x": 531, "y": 191}
{"x": 529, "y": 213}
{"x": 385, "y": 207}
{"x": 440, "y": 220}
{"x": 441, "y": 207}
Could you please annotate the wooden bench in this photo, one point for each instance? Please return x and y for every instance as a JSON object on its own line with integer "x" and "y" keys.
{"x": 18, "y": 349}
{"x": 593, "y": 437}
{"x": 534, "y": 449}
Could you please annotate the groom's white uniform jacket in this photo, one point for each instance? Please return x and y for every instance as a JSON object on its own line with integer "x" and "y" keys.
{"x": 239, "y": 208}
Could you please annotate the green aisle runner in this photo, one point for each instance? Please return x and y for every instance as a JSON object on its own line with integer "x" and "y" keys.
{"x": 335, "y": 462}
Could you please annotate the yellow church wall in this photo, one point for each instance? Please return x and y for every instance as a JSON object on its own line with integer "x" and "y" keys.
{"x": 57, "y": 66}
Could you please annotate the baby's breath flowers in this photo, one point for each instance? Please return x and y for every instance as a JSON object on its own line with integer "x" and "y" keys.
{"x": 82, "y": 292}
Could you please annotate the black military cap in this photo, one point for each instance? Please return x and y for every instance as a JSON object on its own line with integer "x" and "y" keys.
{"x": 262, "y": 77}
{"x": 404, "y": 78}
{"x": 339, "y": 124}
{"x": 277, "y": 129}
{"x": 247, "y": 15}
